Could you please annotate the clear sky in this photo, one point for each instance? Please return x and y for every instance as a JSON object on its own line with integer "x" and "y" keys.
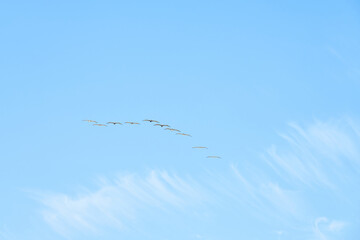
{"x": 272, "y": 87}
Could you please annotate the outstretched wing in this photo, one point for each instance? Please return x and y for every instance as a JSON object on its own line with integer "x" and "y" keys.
{"x": 150, "y": 120}
{"x": 114, "y": 123}
{"x": 100, "y": 125}
{"x": 90, "y": 121}
{"x": 132, "y": 122}
{"x": 184, "y": 134}
{"x": 172, "y": 129}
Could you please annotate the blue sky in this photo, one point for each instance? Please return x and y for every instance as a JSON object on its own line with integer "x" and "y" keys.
{"x": 271, "y": 87}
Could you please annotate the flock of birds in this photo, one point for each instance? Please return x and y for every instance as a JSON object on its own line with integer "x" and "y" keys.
{"x": 157, "y": 123}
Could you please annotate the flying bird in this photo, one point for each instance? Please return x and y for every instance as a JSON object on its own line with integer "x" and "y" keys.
{"x": 100, "y": 125}
{"x": 201, "y": 147}
{"x": 132, "y": 123}
{"x": 161, "y": 125}
{"x": 213, "y": 157}
{"x": 114, "y": 123}
{"x": 172, "y": 129}
{"x": 90, "y": 121}
{"x": 183, "y": 134}
{"x": 150, "y": 120}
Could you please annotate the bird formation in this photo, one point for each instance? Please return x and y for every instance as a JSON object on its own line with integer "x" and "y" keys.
{"x": 157, "y": 123}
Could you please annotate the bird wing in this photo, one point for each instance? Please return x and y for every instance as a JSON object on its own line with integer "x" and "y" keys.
{"x": 183, "y": 134}
{"x": 89, "y": 121}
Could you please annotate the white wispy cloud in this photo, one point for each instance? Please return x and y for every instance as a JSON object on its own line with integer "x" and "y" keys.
{"x": 325, "y": 228}
{"x": 118, "y": 202}
{"x": 321, "y": 157}
{"x": 336, "y": 226}
{"x": 318, "y": 233}
{"x": 266, "y": 196}
{"x": 317, "y": 154}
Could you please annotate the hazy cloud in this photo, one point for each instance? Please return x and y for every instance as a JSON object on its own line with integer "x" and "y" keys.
{"x": 319, "y": 159}
{"x": 118, "y": 202}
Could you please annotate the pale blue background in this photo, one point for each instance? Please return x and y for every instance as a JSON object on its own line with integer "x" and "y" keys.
{"x": 233, "y": 74}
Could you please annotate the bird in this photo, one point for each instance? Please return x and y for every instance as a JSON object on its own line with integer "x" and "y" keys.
{"x": 183, "y": 134}
{"x": 90, "y": 121}
{"x": 172, "y": 129}
{"x": 161, "y": 125}
{"x": 150, "y": 120}
{"x": 132, "y": 123}
{"x": 114, "y": 123}
{"x": 201, "y": 147}
{"x": 100, "y": 125}
{"x": 213, "y": 157}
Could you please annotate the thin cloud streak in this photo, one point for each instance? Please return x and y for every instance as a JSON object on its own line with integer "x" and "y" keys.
{"x": 118, "y": 203}
{"x": 316, "y": 154}
{"x": 323, "y": 156}
{"x": 325, "y": 228}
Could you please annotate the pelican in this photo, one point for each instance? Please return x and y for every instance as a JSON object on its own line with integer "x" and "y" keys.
{"x": 172, "y": 129}
{"x": 90, "y": 121}
{"x": 201, "y": 147}
{"x": 184, "y": 134}
{"x": 150, "y": 120}
{"x": 213, "y": 157}
{"x": 161, "y": 125}
{"x": 114, "y": 123}
{"x": 100, "y": 125}
{"x": 132, "y": 123}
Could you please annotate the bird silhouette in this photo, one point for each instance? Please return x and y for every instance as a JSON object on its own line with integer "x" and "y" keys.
{"x": 201, "y": 147}
{"x": 184, "y": 134}
{"x": 100, "y": 125}
{"x": 150, "y": 120}
{"x": 132, "y": 123}
{"x": 161, "y": 125}
{"x": 90, "y": 121}
{"x": 213, "y": 157}
{"x": 114, "y": 123}
{"x": 172, "y": 129}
